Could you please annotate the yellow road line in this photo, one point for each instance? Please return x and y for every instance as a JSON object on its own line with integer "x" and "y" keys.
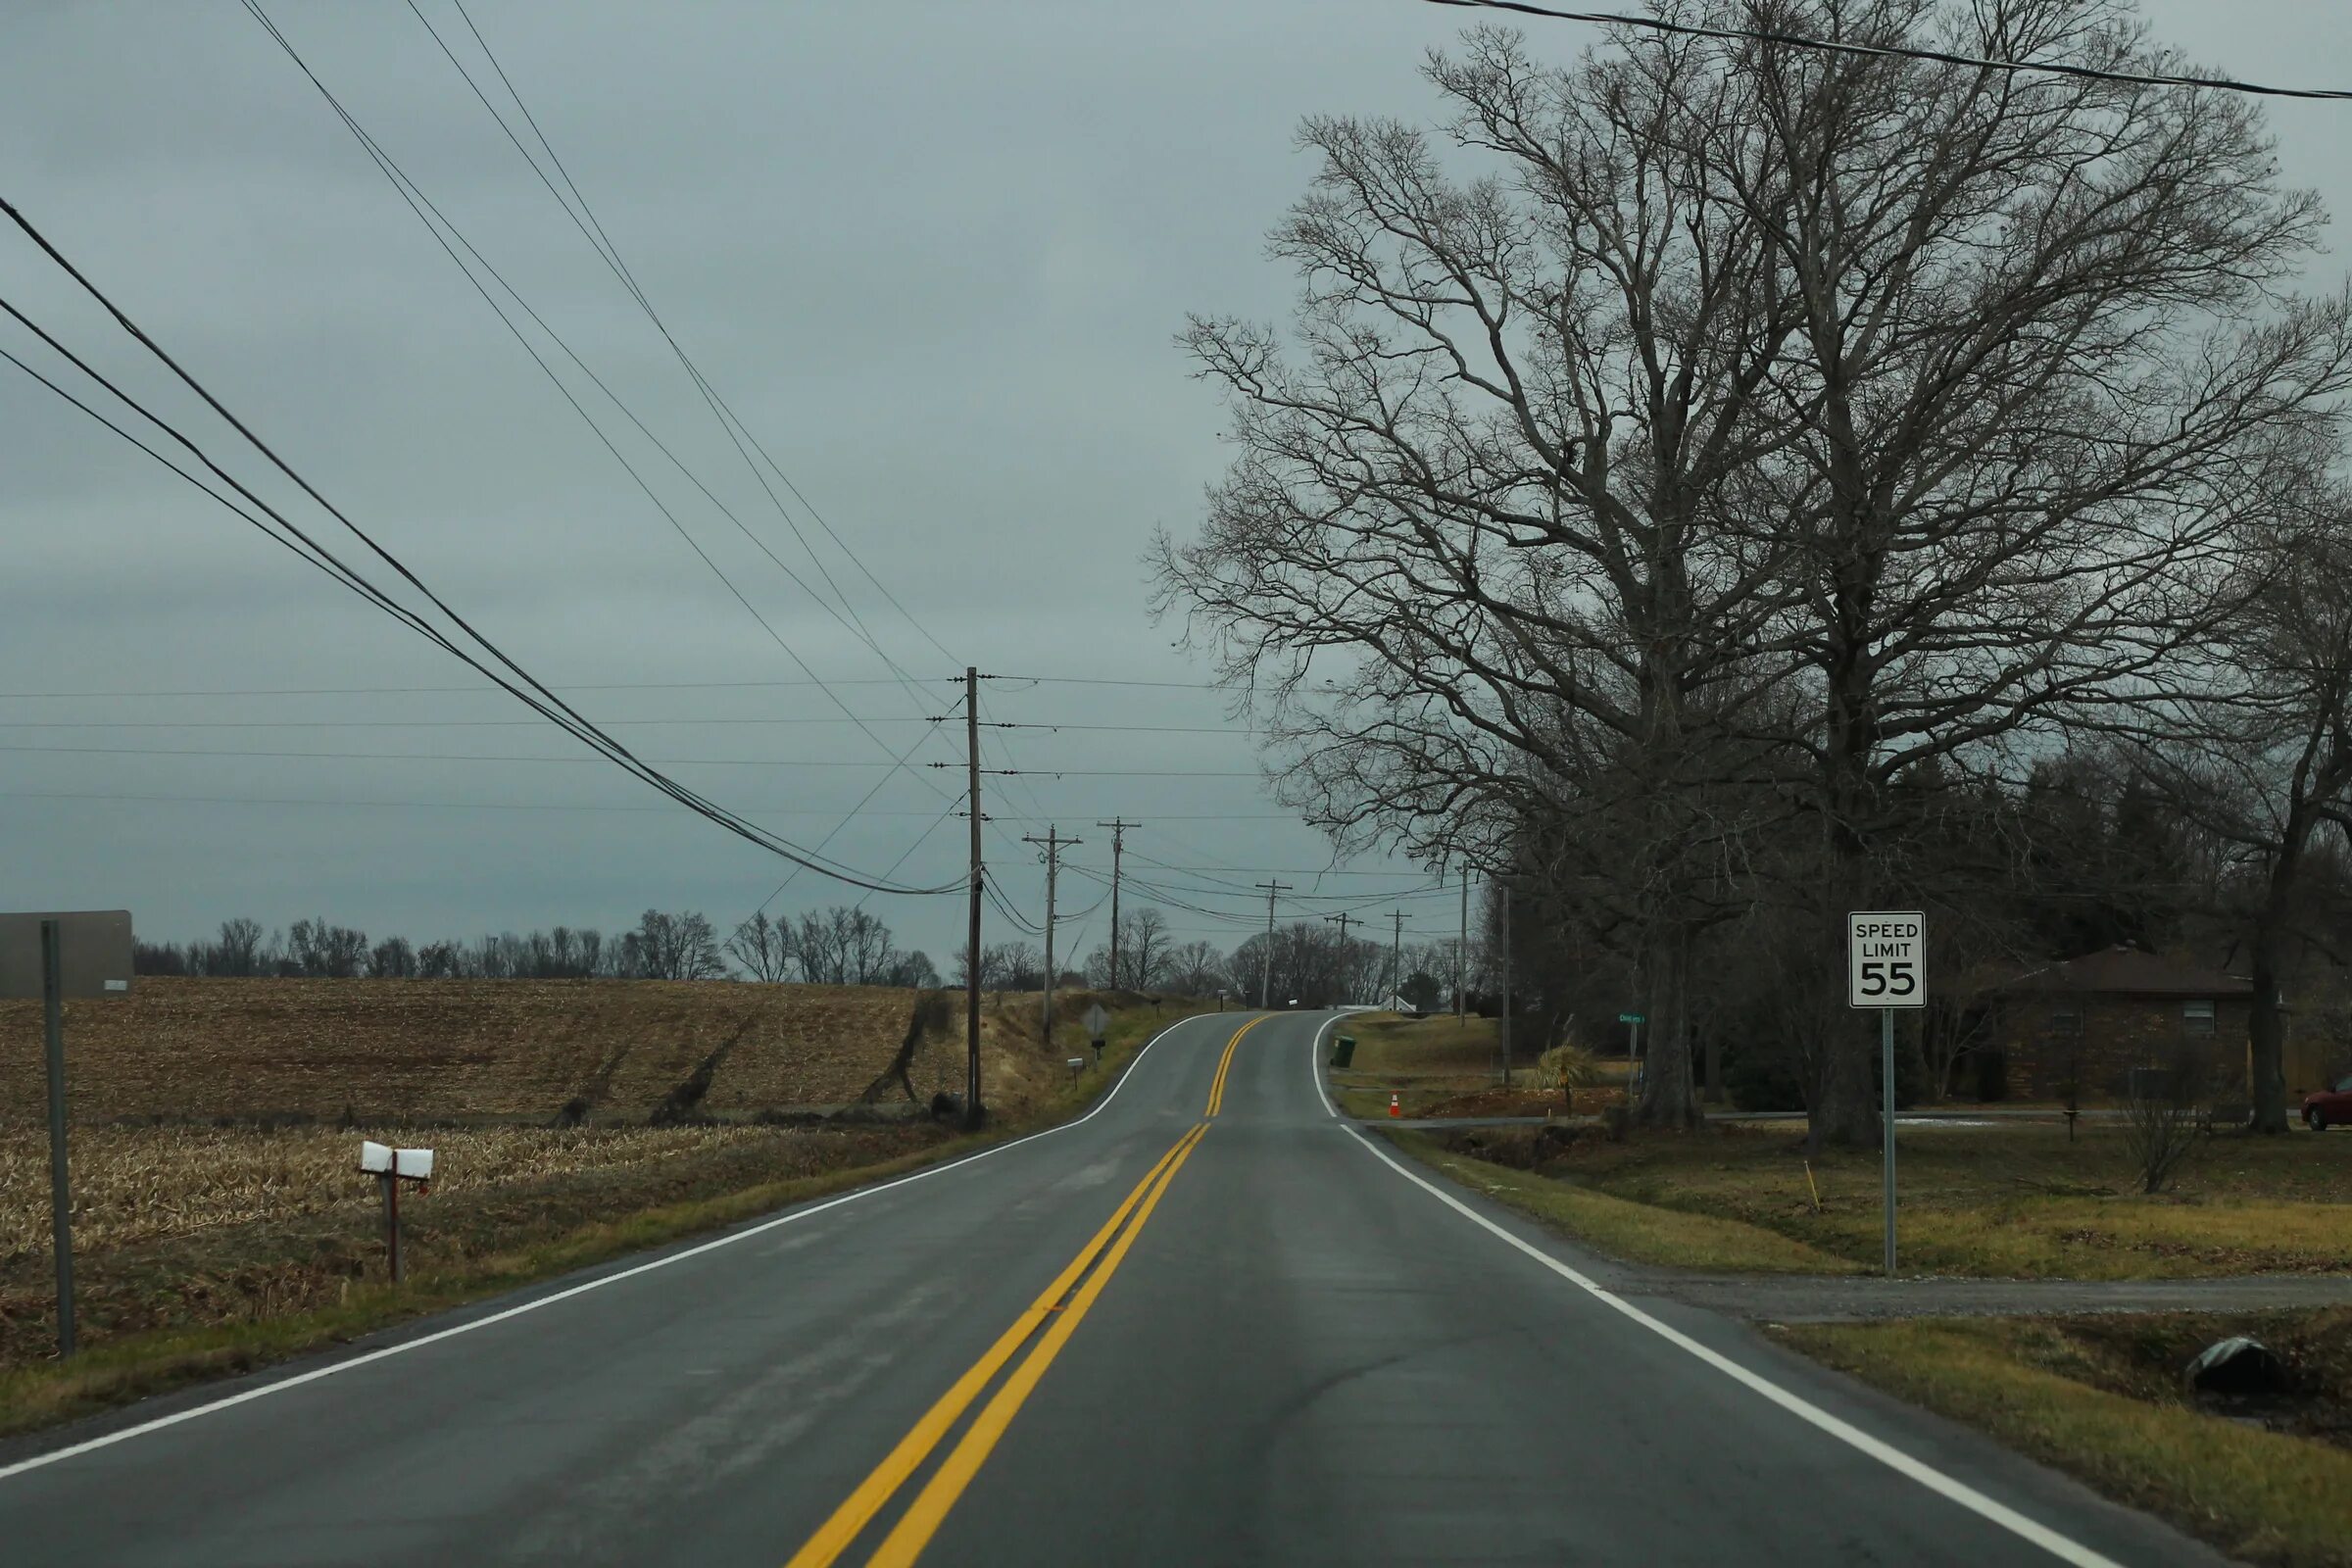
{"x": 857, "y": 1510}
{"x": 1216, "y": 1085}
{"x": 923, "y": 1517}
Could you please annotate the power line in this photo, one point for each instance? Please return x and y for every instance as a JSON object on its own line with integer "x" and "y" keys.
{"x": 404, "y": 723}
{"x": 373, "y": 691}
{"x": 887, "y": 764}
{"x": 530, "y": 690}
{"x": 1106, "y": 772}
{"x": 1894, "y": 51}
{"x": 1139, "y": 729}
{"x": 1104, "y": 680}
{"x": 520, "y": 806}
{"x": 850, "y": 815}
{"x": 419, "y": 203}
{"x": 416, "y": 806}
{"x": 602, "y": 243}
{"x": 719, "y": 405}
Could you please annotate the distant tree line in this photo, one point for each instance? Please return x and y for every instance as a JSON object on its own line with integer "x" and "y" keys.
{"x": 838, "y": 946}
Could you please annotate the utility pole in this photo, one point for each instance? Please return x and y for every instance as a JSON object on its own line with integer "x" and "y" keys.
{"x": 971, "y": 952}
{"x": 1461, "y": 956}
{"x": 1265, "y": 985}
{"x": 1506, "y": 985}
{"x": 1395, "y": 952}
{"x": 1118, "y": 843}
{"x": 1344, "y": 920}
{"x": 1054, "y": 844}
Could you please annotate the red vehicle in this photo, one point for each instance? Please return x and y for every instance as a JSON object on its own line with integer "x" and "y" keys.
{"x": 2330, "y": 1107}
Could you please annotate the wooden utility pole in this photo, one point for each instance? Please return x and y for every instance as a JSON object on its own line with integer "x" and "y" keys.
{"x": 1344, "y": 920}
{"x": 1506, "y": 986}
{"x": 1118, "y": 843}
{"x": 1396, "y": 952}
{"x": 1265, "y": 985}
{"x": 1461, "y": 957}
{"x": 971, "y": 954}
{"x": 1054, "y": 844}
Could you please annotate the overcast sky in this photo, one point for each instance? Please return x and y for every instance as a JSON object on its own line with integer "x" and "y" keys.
{"x": 934, "y": 255}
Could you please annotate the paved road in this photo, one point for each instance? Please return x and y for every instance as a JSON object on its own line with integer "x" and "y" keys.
{"x": 1158, "y": 1336}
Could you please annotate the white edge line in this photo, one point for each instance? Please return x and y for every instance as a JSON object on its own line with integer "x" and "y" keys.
{"x": 1314, "y": 1063}
{"x": 109, "y": 1439}
{"x": 1967, "y": 1496}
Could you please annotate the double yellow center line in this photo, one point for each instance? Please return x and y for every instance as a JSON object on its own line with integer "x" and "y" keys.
{"x": 1216, "y": 1085}
{"x": 1058, "y": 1310}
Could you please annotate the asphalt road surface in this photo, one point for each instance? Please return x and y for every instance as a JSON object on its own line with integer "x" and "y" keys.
{"x": 1209, "y": 1324}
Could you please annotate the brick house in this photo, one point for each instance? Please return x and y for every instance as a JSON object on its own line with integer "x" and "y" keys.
{"x": 2093, "y": 1019}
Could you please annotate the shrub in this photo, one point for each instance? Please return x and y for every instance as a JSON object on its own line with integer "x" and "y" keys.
{"x": 1567, "y": 1068}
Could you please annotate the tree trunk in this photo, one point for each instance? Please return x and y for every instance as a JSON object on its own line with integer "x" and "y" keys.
{"x": 1845, "y": 1109}
{"x": 2265, "y": 1065}
{"x": 1844, "y": 1112}
{"x": 2267, "y": 1056}
{"x": 1666, "y": 1097}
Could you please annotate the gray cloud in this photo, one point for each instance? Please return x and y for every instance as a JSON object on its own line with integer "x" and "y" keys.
{"x": 935, "y": 254}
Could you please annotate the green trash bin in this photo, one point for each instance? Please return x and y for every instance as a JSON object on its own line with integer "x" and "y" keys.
{"x": 1342, "y": 1049}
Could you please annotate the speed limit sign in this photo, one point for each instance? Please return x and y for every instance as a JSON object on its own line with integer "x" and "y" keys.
{"x": 1887, "y": 960}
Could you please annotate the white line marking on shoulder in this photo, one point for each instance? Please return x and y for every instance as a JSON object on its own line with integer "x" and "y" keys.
{"x": 1314, "y": 1064}
{"x": 1967, "y": 1496}
{"x": 110, "y": 1439}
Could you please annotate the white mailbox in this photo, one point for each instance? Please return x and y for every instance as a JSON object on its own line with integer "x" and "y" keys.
{"x": 413, "y": 1164}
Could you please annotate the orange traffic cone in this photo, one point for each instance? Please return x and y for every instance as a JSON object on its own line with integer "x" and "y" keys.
{"x": 1395, "y": 1109}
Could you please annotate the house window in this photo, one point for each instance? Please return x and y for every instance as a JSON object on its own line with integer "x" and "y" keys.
{"x": 2196, "y": 1017}
{"x": 2066, "y": 1024}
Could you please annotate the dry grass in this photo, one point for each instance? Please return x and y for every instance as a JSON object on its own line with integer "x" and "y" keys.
{"x": 135, "y": 1184}
{"x": 1390, "y": 1044}
{"x": 2016, "y": 1201}
{"x": 1438, "y": 1066}
{"x": 2054, "y": 1391}
{"x": 1636, "y": 1231}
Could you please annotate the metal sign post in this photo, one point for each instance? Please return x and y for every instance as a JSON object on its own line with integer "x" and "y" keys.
{"x": 61, "y": 1189}
{"x": 53, "y": 956}
{"x": 1886, "y": 967}
{"x": 1633, "y": 1055}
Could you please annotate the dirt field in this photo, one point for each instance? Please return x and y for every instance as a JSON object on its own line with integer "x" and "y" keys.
{"x": 513, "y": 1049}
{"x": 217, "y": 1124}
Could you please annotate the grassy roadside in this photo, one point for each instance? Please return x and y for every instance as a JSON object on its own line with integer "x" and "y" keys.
{"x": 1441, "y": 1066}
{"x": 1639, "y": 1233}
{"x": 2260, "y": 1496}
{"x": 2006, "y": 1201}
{"x": 119, "y": 1369}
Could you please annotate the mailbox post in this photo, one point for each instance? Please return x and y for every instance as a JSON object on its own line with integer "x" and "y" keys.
{"x": 391, "y": 1167}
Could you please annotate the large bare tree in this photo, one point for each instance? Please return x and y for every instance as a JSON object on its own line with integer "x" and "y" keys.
{"x": 2261, "y": 755}
{"x": 1771, "y": 423}
{"x": 1468, "y": 551}
{"x": 2042, "y": 369}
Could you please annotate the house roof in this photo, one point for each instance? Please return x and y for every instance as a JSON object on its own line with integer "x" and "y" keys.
{"x": 2130, "y": 972}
